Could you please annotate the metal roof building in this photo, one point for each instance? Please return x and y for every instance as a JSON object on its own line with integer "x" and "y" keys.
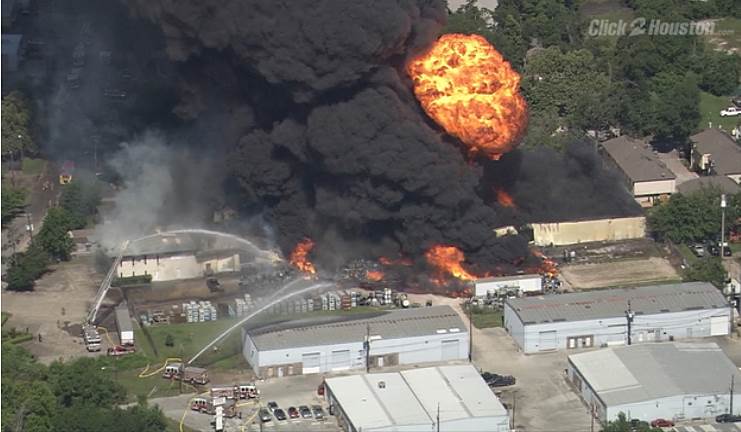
{"x": 647, "y": 176}
{"x": 667, "y": 380}
{"x": 715, "y": 152}
{"x": 405, "y": 336}
{"x": 598, "y": 318}
{"x": 410, "y": 401}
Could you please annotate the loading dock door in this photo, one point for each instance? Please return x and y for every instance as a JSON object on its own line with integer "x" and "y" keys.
{"x": 718, "y": 325}
{"x": 311, "y": 362}
{"x": 547, "y": 341}
{"x": 450, "y": 349}
{"x": 340, "y": 360}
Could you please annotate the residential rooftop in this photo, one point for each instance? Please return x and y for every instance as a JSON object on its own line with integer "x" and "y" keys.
{"x": 610, "y": 303}
{"x": 722, "y": 183}
{"x": 645, "y": 372}
{"x": 723, "y": 151}
{"x": 411, "y": 398}
{"x": 636, "y": 159}
{"x": 389, "y": 325}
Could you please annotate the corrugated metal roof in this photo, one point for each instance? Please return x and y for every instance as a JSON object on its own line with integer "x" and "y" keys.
{"x": 654, "y": 299}
{"x": 410, "y": 398}
{"x": 636, "y": 159}
{"x": 639, "y": 373}
{"x": 391, "y": 325}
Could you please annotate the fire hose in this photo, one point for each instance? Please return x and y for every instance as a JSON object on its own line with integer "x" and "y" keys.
{"x": 146, "y": 374}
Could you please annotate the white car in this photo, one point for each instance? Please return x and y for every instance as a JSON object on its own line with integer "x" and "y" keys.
{"x": 730, "y": 112}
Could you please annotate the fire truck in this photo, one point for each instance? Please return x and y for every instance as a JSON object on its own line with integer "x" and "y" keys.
{"x": 207, "y": 405}
{"x": 65, "y": 174}
{"x": 92, "y": 339}
{"x": 189, "y": 374}
{"x": 236, "y": 391}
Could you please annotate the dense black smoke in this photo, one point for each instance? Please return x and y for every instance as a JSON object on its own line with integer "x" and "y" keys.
{"x": 340, "y": 150}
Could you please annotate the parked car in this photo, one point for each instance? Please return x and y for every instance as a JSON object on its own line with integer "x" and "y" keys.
{"x": 279, "y": 414}
{"x": 730, "y": 112}
{"x": 713, "y": 249}
{"x": 305, "y": 411}
{"x": 737, "y": 101}
{"x": 265, "y": 415}
{"x": 698, "y": 250}
{"x": 318, "y": 412}
{"x": 293, "y": 412}
{"x": 496, "y": 380}
{"x": 662, "y": 423}
{"x": 272, "y": 406}
{"x": 728, "y": 418}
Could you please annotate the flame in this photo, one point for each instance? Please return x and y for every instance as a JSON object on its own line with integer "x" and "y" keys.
{"x": 447, "y": 260}
{"x": 548, "y": 266}
{"x": 374, "y": 275}
{"x": 468, "y": 88}
{"x": 299, "y": 256}
{"x": 504, "y": 198}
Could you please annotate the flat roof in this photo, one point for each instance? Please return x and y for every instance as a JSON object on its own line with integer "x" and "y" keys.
{"x": 636, "y": 159}
{"x": 389, "y": 325}
{"x": 123, "y": 319}
{"x": 162, "y": 244}
{"x": 508, "y": 278}
{"x": 639, "y": 373}
{"x": 610, "y": 303}
{"x": 411, "y": 397}
{"x": 721, "y": 182}
{"x": 724, "y": 152}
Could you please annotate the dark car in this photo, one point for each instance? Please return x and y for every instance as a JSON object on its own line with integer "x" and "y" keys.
{"x": 636, "y": 425}
{"x": 318, "y": 412}
{"x": 305, "y": 411}
{"x": 293, "y": 412}
{"x": 279, "y": 414}
{"x": 662, "y": 423}
{"x": 728, "y": 418}
{"x": 713, "y": 249}
{"x": 496, "y": 380}
{"x": 265, "y": 415}
{"x": 272, "y": 406}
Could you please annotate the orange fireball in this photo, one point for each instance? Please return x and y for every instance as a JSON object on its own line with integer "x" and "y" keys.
{"x": 299, "y": 257}
{"x": 468, "y": 88}
{"x": 504, "y": 198}
{"x": 374, "y": 275}
{"x": 448, "y": 260}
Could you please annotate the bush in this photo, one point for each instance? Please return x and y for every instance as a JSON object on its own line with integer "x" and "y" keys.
{"x": 26, "y": 267}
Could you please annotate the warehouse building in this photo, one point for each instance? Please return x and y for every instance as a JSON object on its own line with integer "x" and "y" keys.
{"x": 406, "y": 336}
{"x": 412, "y": 400}
{"x": 599, "y": 318}
{"x": 647, "y": 178}
{"x": 516, "y": 285}
{"x": 673, "y": 381}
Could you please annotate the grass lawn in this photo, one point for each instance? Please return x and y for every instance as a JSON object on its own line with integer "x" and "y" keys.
{"x": 486, "y": 317}
{"x": 687, "y": 254}
{"x": 33, "y": 166}
{"x": 710, "y": 107}
{"x": 735, "y": 249}
{"x": 726, "y": 35}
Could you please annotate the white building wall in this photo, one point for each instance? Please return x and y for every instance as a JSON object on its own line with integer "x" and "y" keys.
{"x": 523, "y": 285}
{"x": 411, "y": 350}
{"x": 613, "y": 331}
{"x": 476, "y": 424}
{"x": 656, "y": 187}
{"x": 677, "y": 407}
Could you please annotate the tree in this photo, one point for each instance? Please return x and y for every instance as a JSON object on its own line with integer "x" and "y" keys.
{"x": 26, "y": 267}
{"x": 719, "y": 72}
{"x": 169, "y": 340}
{"x": 54, "y": 234}
{"x": 692, "y": 218}
{"x": 80, "y": 199}
{"x": 13, "y": 202}
{"x": 707, "y": 270}
{"x": 622, "y": 424}
{"x": 81, "y": 382}
{"x": 16, "y": 121}
{"x": 674, "y": 108}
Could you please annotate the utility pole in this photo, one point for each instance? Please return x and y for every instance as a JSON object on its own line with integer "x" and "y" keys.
{"x": 470, "y": 332}
{"x": 438, "y": 417}
{"x": 29, "y": 225}
{"x": 722, "y": 223}
{"x": 591, "y": 415}
{"x": 730, "y": 405}
{"x": 367, "y": 348}
{"x": 629, "y": 315}
{"x": 514, "y": 407}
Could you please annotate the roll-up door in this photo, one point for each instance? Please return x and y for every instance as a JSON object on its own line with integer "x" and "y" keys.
{"x": 340, "y": 360}
{"x": 450, "y": 349}
{"x": 547, "y": 340}
{"x": 311, "y": 362}
{"x": 718, "y": 325}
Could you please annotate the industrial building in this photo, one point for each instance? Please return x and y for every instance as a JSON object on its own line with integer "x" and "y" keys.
{"x": 675, "y": 381}
{"x": 517, "y": 285}
{"x": 613, "y": 317}
{"x": 174, "y": 257}
{"x": 714, "y": 152}
{"x": 124, "y": 325}
{"x": 445, "y": 398}
{"x": 591, "y": 230}
{"x": 647, "y": 178}
{"x": 405, "y": 336}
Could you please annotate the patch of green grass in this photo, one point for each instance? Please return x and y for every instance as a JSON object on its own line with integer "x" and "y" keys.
{"x": 687, "y": 254}
{"x": 5, "y": 316}
{"x": 33, "y": 166}
{"x": 735, "y": 248}
{"x": 486, "y": 317}
{"x": 726, "y": 35}
{"x": 710, "y": 107}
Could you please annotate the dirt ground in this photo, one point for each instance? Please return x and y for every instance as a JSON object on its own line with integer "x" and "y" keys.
{"x": 619, "y": 273}
{"x": 55, "y": 309}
